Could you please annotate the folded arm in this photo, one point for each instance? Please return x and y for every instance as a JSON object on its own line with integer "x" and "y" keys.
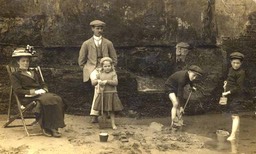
{"x": 19, "y": 89}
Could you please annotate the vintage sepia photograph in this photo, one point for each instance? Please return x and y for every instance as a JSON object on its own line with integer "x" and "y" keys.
{"x": 128, "y": 77}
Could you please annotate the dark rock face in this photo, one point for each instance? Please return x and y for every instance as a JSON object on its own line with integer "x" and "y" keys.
{"x": 234, "y": 17}
{"x": 154, "y": 22}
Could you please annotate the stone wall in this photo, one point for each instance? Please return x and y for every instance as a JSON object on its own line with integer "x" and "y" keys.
{"x": 142, "y": 72}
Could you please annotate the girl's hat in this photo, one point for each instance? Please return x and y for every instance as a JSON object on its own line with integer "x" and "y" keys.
{"x": 105, "y": 59}
{"x": 24, "y": 52}
{"x": 236, "y": 55}
{"x": 196, "y": 69}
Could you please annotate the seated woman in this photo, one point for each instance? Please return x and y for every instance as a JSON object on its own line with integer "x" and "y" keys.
{"x": 27, "y": 82}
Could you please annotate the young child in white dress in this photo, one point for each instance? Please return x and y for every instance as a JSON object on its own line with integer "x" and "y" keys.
{"x": 107, "y": 82}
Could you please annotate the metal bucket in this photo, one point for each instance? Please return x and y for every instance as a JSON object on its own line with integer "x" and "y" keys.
{"x": 222, "y": 135}
{"x": 103, "y": 137}
{"x": 223, "y": 100}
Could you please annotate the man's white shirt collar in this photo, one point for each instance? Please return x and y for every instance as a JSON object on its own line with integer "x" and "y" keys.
{"x": 97, "y": 40}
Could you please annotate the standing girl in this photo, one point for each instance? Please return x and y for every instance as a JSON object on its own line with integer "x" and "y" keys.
{"x": 107, "y": 82}
{"x": 235, "y": 90}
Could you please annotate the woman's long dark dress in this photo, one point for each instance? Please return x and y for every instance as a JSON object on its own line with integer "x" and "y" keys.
{"x": 51, "y": 105}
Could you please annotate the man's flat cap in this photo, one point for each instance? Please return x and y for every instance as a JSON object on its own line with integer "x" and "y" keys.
{"x": 196, "y": 69}
{"x": 236, "y": 55}
{"x": 97, "y": 23}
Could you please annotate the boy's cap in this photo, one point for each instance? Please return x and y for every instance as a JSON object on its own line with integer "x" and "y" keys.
{"x": 196, "y": 69}
{"x": 105, "y": 59}
{"x": 236, "y": 55}
{"x": 97, "y": 23}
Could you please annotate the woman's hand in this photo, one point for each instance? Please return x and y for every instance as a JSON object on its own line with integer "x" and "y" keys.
{"x": 40, "y": 91}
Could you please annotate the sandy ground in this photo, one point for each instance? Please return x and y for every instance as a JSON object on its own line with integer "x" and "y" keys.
{"x": 145, "y": 135}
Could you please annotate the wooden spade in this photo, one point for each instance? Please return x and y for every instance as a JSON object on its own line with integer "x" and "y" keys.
{"x": 181, "y": 114}
{"x": 103, "y": 119}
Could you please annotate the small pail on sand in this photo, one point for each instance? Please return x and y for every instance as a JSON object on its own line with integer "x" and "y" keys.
{"x": 103, "y": 137}
{"x": 222, "y": 135}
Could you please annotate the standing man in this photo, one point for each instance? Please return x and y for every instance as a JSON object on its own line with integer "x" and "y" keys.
{"x": 92, "y": 50}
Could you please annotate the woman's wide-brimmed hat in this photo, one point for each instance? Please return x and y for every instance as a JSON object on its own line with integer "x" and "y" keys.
{"x": 24, "y": 52}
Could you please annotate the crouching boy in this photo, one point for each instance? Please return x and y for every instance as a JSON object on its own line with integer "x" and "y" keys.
{"x": 175, "y": 86}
